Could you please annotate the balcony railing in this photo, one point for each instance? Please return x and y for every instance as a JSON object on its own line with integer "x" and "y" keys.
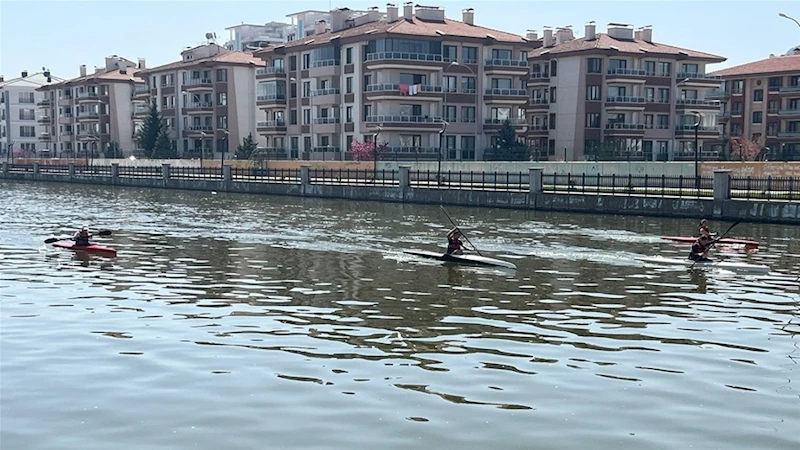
{"x": 626, "y": 126}
{"x": 389, "y": 87}
{"x": 626, "y": 100}
{"x": 540, "y": 76}
{"x": 43, "y": 102}
{"x": 697, "y": 101}
{"x": 504, "y": 63}
{"x": 789, "y": 134}
{"x": 328, "y": 149}
{"x": 326, "y": 120}
{"x": 141, "y": 89}
{"x": 509, "y": 92}
{"x": 271, "y": 124}
{"x": 627, "y": 71}
{"x": 697, "y": 76}
{"x": 404, "y": 56}
{"x": 87, "y": 94}
{"x": 199, "y": 105}
{"x": 141, "y": 110}
{"x": 325, "y": 63}
{"x": 718, "y": 93}
{"x": 794, "y": 88}
{"x": 402, "y": 118}
{"x": 271, "y": 97}
{"x": 271, "y": 70}
{"x": 736, "y": 91}
{"x": 197, "y": 81}
{"x": 692, "y": 127}
{"x": 327, "y": 91}
{"x": 514, "y": 121}
{"x": 89, "y": 114}
{"x": 199, "y": 128}
{"x": 539, "y": 101}
{"x": 538, "y": 128}
{"x": 789, "y": 112}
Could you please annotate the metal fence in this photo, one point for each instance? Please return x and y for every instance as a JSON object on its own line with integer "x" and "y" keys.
{"x": 255, "y": 175}
{"x": 354, "y": 177}
{"x": 484, "y": 181}
{"x": 646, "y": 185}
{"x": 749, "y": 188}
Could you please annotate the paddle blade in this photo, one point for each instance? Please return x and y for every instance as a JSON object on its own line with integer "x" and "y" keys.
{"x": 51, "y": 240}
{"x": 104, "y": 233}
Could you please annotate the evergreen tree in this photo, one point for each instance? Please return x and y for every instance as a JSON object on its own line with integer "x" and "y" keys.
{"x": 113, "y": 151}
{"x": 507, "y": 138}
{"x": 246, "y": 149}
{"x": 148, "y": 133}
{"x": 164, "y": 148}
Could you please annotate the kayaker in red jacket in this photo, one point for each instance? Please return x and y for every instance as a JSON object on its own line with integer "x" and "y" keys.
{"x": 82, "y": 237}
{"x": 454, "y": 244}
{"x": 700, "y": 248}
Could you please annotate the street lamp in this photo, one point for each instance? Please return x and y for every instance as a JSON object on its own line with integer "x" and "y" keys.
{"x": 441, "y": 145}
{"x": 790, "y": 18}
{"x": 203, "y": 135}
{"x": 224, "y": 148}
{"x": 375, "y": 150}
{"x": 696, "y": 126}
{"x": 455, "y": 63}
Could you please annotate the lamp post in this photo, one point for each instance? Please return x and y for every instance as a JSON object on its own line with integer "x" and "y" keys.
{"x": 698, "y": 118}
{"x": 455, "y": 63}
{"x": 375, "y": 151}
{"x": 441, "y": 145}
{"x": 203, "y": 135}
{"x": 225, "y": 147}
{"x": 790, "y": 18}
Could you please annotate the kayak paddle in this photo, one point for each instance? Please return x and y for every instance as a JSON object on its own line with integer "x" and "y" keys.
{"x": 459, "y": 229}
{"x": 714, "y": 242}
{"x": 99, "y": 233}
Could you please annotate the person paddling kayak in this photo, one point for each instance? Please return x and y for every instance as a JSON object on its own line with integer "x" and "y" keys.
{"x": 82, "y": 237}
{"x": 454, "y": 244}
{"x": 703, "y": 230}
{"x": 700, "y": 248}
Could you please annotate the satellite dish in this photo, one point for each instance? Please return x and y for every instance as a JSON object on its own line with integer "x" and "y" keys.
{"x": 208, "y": 35}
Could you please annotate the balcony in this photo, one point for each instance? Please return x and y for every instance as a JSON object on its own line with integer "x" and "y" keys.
{"x": 385, "y": 91}
{"x": 88, "y": 115}
{"x": 626, "y": 75}
{"x": 83, "y": 97}
{"x": 270, "y": 72}
{"x": 271, "y": 100}
{"x": 737, "y": 91}
{"x": 328, "y": 91}
{"x": 44, "y": 120}
{"x": 626, "y": 129}
{"x": 497, "y": 95}
{"x": 789, "y": 134}
{"x": 326, "y": 120}
{"x": 697, "y": 78}
{"x": 87, "y": 135}
{"x": 790, "y": 89}
{"x": 403, "y": 60}
{"x": 141, "y": 91}
{"x": 198, "y": 129}
{"x": 198, "y": 107}
{"x": 510, "y": 66}
{"x": 197, "y": 84}
{"x": 328, "y": 96}
{"x": 271, "y": 126}
{"x": 789, "y": 112}
{"x": 619, "y": 102}
{"x": 696, "y": 103}
{"x": 718, "y": 94}
{"x": 689, "y": 129}
{"x": 141, "y": 111}
{"x": 403, "y": 121}
{"x": 44, "y": 137}
{"x": 44, "y": 103}
{"x": 538, "y": 78}
{"x": 538, "y": 130}
{"x": 538, "y": 103}
{"x": 496, "y": 123}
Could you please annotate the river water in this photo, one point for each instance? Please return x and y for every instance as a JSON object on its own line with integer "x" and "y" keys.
{"x": 242, "y": 322}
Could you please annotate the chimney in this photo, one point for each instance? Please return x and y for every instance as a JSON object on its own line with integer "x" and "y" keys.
{"x": 408, "y": 11}
{"x": 391, "y": 12}
{"x": 548, "y": 37}
{"x": 24, "y": 73}
{"x": 338, "y": 17}
{"x": 532, "y": 35}
{"x": 468, "y": 16}
{"x": 591, "y": 31}
{"x": 83, "y": 70}
{"x": 2, "y": 78}
{"x": 320, "y": 27}
{"x": 637, "y": 35}
{"x": 647, "y": 34}
{"x": 142, "y": 64}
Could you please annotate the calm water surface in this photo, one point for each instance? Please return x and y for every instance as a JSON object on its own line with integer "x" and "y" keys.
{"x": 250, "y": 322}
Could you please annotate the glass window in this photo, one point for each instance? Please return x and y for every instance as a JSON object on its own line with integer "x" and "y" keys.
{"x": 595, "y": 65}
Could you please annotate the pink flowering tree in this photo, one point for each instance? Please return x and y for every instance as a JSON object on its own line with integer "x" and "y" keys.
{"x": 366, "y": 151}
{"x": 745, "y": 149}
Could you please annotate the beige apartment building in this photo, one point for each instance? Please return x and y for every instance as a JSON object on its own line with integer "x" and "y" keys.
{"x": 620, "y": 95}
{"x": 21, "y": 133}
{"x": 401, "y": 77}
{"x": 207, "y": 99}
{"x": 82, "y": 116}
{"x": 761, "y": 101}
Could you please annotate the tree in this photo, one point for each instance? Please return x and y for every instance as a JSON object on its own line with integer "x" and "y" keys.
{"x": 246, "y": 149}
{"x": 745, "y": 149}
{"x": 508, "y": 146}
{"x": 367, "y": 151}
{"x": 113, "y": 151}
{"x": 148, "y": 133}
{"x": 164, "y": 147}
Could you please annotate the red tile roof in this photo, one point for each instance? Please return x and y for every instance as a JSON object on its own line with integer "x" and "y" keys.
{"x": 226, "y": 57}
{"x": 415, "y": 27}
{"x": 630, "y": 46}
{"x": 775, "y": 64}
{"x": 131, "y": 75}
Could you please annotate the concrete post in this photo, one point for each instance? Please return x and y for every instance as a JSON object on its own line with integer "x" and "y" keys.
{"x": 5, "y": 168}
{"x": 305, "y": 176}
{"x": 165, "y": 172}
{"x": 71, "y": 170}
{"x": 115, "y": 173}
{"x": 536, "y": 180}
{"x": 722, "y": 185}
{"x": 36, "y": 169}
{"x": 227, "y": 174}
{"x": 405, "y": 176}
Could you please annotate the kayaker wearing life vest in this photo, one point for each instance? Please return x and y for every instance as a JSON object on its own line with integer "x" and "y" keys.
{"x": 82, "y": 237}
{"x": 454, "y": 244}
{"x": 703, "y": 230}
{"x": 700, "y": 248}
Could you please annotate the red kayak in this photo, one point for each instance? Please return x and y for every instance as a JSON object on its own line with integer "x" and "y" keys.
{"x": 93, "y": 248}
{"x": 744, "y": 242}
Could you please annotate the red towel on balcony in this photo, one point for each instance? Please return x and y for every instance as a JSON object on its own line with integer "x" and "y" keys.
{"x": 403, "y": 89}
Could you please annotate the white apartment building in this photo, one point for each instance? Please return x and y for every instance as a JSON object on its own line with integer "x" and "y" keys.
{"x": 20, "y": 130}
{"x": 208, "y": 99}
{"x": 84, "y": 115}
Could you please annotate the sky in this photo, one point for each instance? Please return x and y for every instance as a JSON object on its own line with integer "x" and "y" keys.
{"x": 62, "y": 35}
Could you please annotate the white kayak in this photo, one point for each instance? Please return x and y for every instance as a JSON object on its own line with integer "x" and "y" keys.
{"x": 472, "y": 260}
{"x": 725, "y": 265}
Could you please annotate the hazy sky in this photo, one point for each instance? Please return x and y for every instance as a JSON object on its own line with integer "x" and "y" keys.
{"x": 62, "y": 35}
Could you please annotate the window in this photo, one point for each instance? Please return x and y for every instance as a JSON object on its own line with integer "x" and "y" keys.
{"x": 553, "y": 94}
{"x": 553, "y": 68}
{"x": 307, "y": 143}
{"x": 468, "y": 114}
{"x": 348, "y": 56}
{"x": 690, "y": 68}
{"x": 469, "y": 55}
{"x": 648, "y": 121}
{"x": 306, "y": 89}
{"x": 663, "y": 122}
{"x": 449, "y": 113}
{"x": 293, "y": 117}
{"x": 468, "y": 85}
{"x": 737, "y": 86}
{"x": 593, "y": 93}
{"x": 650, "y": 94}
{"x": 306, "y": 61}
{"x": 650, "y": 69}
{"x": 501, "y": 83}
{"x": 772, "y": 128}
{"x": 293, "y": 90}
{"x": 348, "y": 85}
{"x": 27, "y": 114}
{"x": 348, "y": 114}
{"x": 736, "y": 109}
{"x": 222, "y": 74}
{"x": 663, "y": 95}
{"x": 222, "y": 122}
{"x": 498, "y": 53}
{"x": 758, "y": 95}
{"x": 222, "y": 99}
{"x": 324, "y": 141}
{"x": 367, "y": 111}
{"x": 449, "y": 84}
{"x": 410, "y": 110}
{"x": 617, "y": 91}
{"x": 293, "y": 62}
{"x": 449, "y": 53}
{"x": 552, "y": 120}
{"x": 758, "y": 116}
{"x": 736, "y": 129}
{"x": 689, "y": 94}
{"x": 411, "y": 140}
{"x": 367, "y": 80}
{"x": 665, "y": 69}
{"x": 306, "y": 116}
{"x": 27, "y": 131}
{"x": 26, "y": 97}
{"x": 592, "y": 120}
{"x": 501, "y": 114}
{"x": 773, "y": 106}
{"x": 617, "y": 64}
{"x": 775, "y": 84}
{"x": 595, "y": 65}
{"x": 467, "y": 147}
{"x": 523, "y": 55}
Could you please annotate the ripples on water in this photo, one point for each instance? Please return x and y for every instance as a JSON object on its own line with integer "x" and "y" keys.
{"x": 233, "y": 321}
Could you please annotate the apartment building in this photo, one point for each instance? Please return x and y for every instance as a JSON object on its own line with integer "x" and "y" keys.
{"x": 398, "y": 78}
{"x": 208, "y": 99}
{"x": 84, "y": 115}
{"x": 761, "y": 101}
{"x": 20, "y": 131}
{"x": 619, "y": 95}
